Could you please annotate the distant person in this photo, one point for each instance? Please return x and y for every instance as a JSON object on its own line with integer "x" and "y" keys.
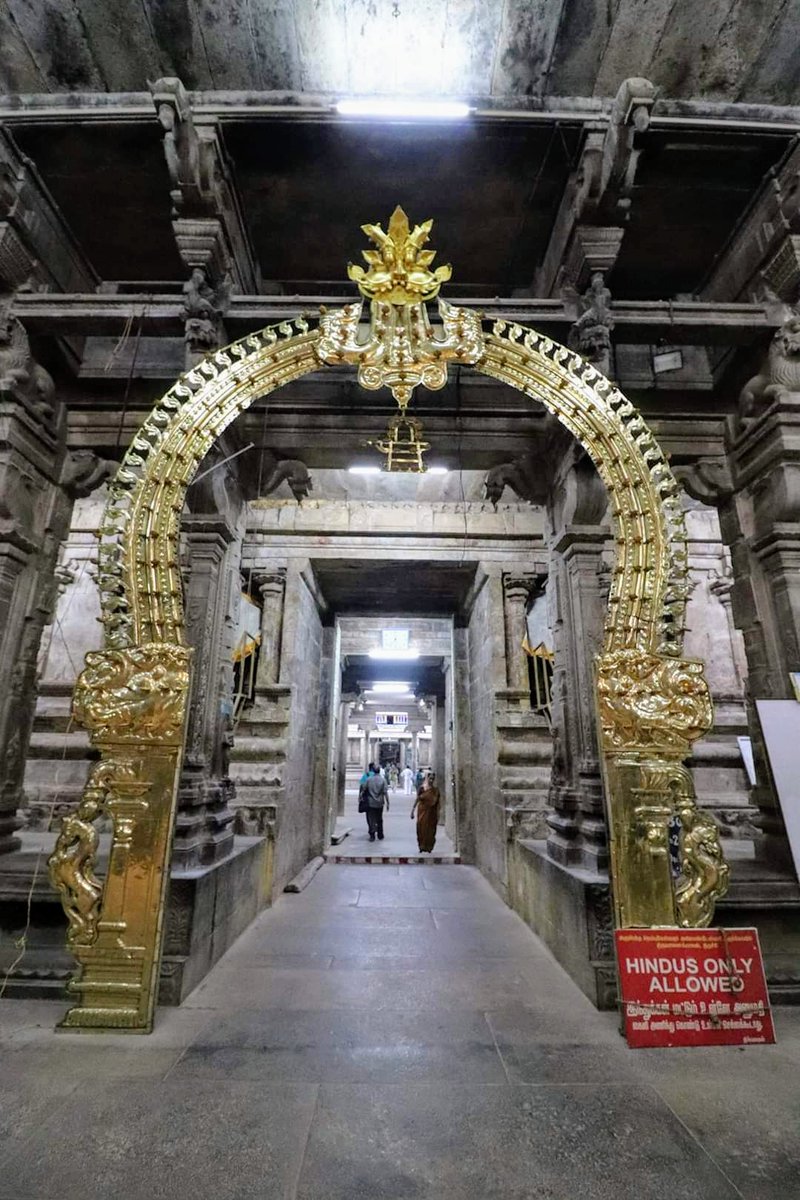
{"x": 362, "y": 791}
{"x": 407, "y": 776}
{"x": 377, "y": 795}
{"x": 426, "y": 807}
{"x": 419, "y": 779}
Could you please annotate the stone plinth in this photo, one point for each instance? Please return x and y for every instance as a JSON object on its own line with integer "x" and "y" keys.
{"x": 569, "y": 908}
{"x": 207, "y": 909}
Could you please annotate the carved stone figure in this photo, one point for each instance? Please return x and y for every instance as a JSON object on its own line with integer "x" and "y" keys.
{"x": 83, "y": 471}
{"x": 521, "y": 475}
{"x": 296, "y": 474}
{"x": 780, "y": 373}
{"x": 591, "y": 333}
{"x": 20, "y": 374}
{"x": 204, "y": 307}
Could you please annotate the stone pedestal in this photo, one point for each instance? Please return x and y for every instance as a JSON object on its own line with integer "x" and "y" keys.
{"x": 207, "y": 909}
{"x": 569, "y": 908}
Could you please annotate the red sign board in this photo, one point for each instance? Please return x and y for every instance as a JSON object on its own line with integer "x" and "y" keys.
{"x": 693, "y": 987}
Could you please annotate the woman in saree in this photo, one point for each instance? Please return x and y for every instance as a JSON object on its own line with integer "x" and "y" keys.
{"x": 426, "y": 807}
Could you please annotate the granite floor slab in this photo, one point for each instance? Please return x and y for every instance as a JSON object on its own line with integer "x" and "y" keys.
{"x": 390, "y": 1033}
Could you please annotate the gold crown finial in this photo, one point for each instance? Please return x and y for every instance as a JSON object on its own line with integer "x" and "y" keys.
{"x": 398, "y": 271}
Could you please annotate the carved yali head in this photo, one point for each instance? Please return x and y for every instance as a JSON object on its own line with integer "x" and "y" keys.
{"x": 652, "y": 702}
{"x": 135, "y": 694}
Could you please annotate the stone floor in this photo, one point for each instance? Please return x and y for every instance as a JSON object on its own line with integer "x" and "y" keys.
{"x": 390, "y": 1033}
{"x": 400, "y": 839}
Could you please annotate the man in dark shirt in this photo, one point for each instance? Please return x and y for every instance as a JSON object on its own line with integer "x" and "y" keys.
{"x": 377, "y": 796}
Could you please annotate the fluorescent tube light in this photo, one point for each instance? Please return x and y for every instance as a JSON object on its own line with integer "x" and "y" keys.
{"x": 397, "y": 655}
{"x": 436, "y": 470}
{"x": 389, "y": 687}
{"x": 364, "y": 470}
{"x": 441, "y": 110}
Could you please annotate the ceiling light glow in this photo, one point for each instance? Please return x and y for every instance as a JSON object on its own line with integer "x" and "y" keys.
{"x": 396, "y": 655}
{"x": 364, "y": 470}
{"x": 437, "y": 470}
{"x": 389, "y": 687}
{"x": 426, "y": 110}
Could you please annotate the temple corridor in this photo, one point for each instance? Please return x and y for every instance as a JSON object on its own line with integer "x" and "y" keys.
{"x": 390, "y": 1032}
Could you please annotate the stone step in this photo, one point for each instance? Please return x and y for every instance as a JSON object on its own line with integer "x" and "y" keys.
{"x": 50, "y": 745}
{"x": 392, "y": 860}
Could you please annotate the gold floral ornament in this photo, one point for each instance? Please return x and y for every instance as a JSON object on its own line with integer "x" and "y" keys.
{"x": 399, "y": 269}
{"x": 401, "y": 349}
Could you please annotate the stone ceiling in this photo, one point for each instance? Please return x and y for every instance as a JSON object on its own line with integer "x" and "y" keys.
{"x": 509, "y": 50}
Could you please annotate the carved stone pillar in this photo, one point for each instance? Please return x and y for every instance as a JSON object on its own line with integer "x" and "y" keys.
{"x": 271, "y": 587}
{"x": 577, "y": 826}
{"x": 760, "y": 521}
{"x": 577, "y": 591}
{"x": 204, "y": 824}
{"x": 346, "y": 702}
{"x": 34, "y": 514}
{"x": 516, "y": 589}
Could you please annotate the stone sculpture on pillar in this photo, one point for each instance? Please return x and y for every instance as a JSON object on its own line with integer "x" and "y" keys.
{"x": 591, "y": 333}
{"x": 204, "y": 309}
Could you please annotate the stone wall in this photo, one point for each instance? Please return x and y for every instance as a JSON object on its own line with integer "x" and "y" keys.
{"x": 301, "y": 670}
{"x": 487, "y": 677}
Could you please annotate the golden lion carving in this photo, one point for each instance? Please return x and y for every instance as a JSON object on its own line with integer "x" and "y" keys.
{"x": 651, "y": 702}
{"x": 138, "y": 693}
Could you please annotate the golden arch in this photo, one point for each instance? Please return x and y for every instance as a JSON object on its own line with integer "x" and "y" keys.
{"x": 131, "y": 696}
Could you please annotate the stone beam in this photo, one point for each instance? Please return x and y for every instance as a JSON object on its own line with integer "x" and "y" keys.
{"x": 37, "y": 248}
{"x": 763, "y": 251}
{"x": 44, "y": 107}
{"x": 680, "y": 322}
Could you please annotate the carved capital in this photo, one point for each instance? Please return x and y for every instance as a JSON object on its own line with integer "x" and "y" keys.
{"x": 649, "y": 702}
{"x": 517, "y": 588}
{"x": 270, "y": 583}
{"x": 134, "y": 695}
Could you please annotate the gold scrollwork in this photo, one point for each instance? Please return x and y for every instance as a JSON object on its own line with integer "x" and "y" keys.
{"x": 74, "y": 859}
{"x": 704, "y": 873}
{"x": 651, "y": 702}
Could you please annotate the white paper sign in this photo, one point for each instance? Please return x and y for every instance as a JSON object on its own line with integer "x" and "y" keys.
{"x": 780, "y": 722}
